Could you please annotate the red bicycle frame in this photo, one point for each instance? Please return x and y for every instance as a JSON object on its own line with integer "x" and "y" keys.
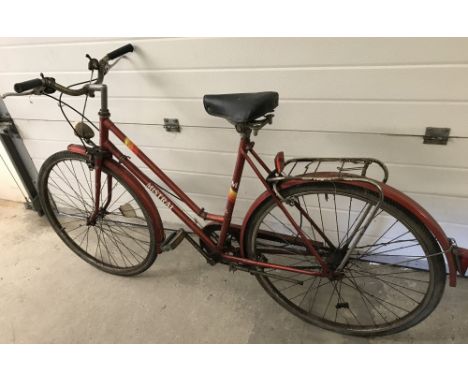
{"x": 245, "y": 147}
{"x": 457, "y": 258}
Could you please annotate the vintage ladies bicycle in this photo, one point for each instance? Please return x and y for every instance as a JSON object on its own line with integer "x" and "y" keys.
{"x": 328, "y": 240}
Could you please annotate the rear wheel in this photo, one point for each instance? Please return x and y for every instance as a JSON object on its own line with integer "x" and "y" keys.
{"x": 122, "y": 240}
{"x": 394, "y": 278}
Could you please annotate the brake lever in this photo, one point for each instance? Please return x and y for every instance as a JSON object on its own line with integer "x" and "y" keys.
{"x": 110, "y": 66}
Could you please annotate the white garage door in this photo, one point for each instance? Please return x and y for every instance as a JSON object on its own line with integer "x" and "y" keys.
{"x": 10, "y": 185}
{"x": 338, "y": 97}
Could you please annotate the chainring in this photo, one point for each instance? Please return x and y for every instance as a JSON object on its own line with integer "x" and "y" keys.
{"x": 232, "y": 240}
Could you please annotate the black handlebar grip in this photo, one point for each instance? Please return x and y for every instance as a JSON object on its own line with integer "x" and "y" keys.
{"x": 27, "y": 85}
{"x": 120, "y": 51}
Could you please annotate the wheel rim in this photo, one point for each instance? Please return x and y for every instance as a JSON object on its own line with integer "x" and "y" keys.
{"x": 388, "y": 279}
{"x": 120, "y": 238}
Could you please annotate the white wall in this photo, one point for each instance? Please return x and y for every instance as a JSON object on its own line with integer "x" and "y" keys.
{"x": 9, "y": 190}
{"x": 337, "y": 97}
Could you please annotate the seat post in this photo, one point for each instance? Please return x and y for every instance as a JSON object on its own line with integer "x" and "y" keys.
{"x": 244, "y": 130}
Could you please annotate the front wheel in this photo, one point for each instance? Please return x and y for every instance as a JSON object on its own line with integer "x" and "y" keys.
{"x": 121, "y": 240}
{"x": 394, "y": 278}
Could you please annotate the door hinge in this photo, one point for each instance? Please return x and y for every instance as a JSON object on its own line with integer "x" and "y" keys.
{"x": 172, "y": 125}
{"x": 436, "y": 135}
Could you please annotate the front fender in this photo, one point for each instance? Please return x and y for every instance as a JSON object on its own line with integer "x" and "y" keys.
{"x": 390, "y": 193}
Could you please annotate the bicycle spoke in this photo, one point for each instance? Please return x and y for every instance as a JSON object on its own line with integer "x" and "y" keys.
{"x": 316, "y": 288}
{"x": 392, "y": 275}
{"x": 89, "y": 183}
{"x": 310, "y": 222}
{"x": 85, "y": 232}
{"x": 65, "y": 203}
{"x": 321, "y": 216}
{"x": 87, "y": 238}
{"x": 69, "y": 197}
{"x": 329, "y": 300}
{"x": 109, "y": 253}
{"x": 382, "y": 300}
{"x": 282, "y": 240}
{"x": 353, "y": 224}
{"x": 336, "y": 220}
{"x": 381, "y": 236}
{"x": 341, "y": 300}
{"x": 74, "y": 229}
{"x": 311, "y": 305}
{"x": 393, "y": 241}
{"x": 364, "y": 299}
{"x": 98, "y": 242}
{"x": 78, "y": 183}
{"x": 78, "y": 200}
{"x": 349, "y": 217}
{"x": 392, "y": 286}
{"x": 110, "y": 236}
{"x": 116, "y": 200}
{"x": 67, "y": 182}
{"x": 126, "y": 235}
{"x": 390, "y": 283}
{"x": 122, "y": 243}
{"x": 392, "y": 250}
{"x": 314, "y": 226}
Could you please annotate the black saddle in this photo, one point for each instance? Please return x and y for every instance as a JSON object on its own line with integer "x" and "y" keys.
{"x": 241, "y": 107}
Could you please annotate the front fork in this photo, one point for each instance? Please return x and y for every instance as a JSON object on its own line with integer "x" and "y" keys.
{"x": 96, "y": 164}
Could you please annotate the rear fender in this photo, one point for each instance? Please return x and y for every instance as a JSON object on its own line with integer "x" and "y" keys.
{"x": 390, "y": 193}
{"x": 137, "y": 188}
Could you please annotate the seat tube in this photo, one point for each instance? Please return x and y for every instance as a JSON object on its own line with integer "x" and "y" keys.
{"x": 232, "y": 195}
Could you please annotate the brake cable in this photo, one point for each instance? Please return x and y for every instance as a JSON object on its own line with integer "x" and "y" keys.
{"x": 87, "y": 95}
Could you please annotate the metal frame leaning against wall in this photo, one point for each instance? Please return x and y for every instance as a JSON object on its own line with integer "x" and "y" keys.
{"x": 19, "y": 156}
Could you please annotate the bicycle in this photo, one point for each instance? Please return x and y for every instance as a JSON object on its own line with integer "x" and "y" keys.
{"x": 334, "y": 246}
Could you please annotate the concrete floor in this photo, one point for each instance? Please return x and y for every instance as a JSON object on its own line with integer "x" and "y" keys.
{"x": 49, "y": 295}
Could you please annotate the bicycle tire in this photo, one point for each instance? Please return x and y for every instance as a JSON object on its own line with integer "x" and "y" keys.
{"x": 435, "y": 267}
{"x": 119, "y": 235}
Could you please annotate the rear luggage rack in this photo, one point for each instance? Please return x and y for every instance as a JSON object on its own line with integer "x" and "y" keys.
{"x": 339, "y": 169}
{"x": 307, "y": 168}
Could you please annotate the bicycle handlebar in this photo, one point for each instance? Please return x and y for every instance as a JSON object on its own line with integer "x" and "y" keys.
{"x": 50, "y": 85}
{"x": 28, "y": 85}
{"x": 120, "y": 51}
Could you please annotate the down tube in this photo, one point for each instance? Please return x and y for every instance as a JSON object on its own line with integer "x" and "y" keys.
{"x": 156, "y": 190}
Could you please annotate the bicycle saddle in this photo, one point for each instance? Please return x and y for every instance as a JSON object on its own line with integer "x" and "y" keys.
{"x": 240, "y": 107}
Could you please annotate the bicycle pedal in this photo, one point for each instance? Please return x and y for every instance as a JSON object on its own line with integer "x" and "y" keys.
{"x": 173, "y": 240}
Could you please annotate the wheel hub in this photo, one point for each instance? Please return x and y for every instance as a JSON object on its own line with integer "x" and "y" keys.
{"x": 92, "y": 220}
{"x": 335, "y": 258}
